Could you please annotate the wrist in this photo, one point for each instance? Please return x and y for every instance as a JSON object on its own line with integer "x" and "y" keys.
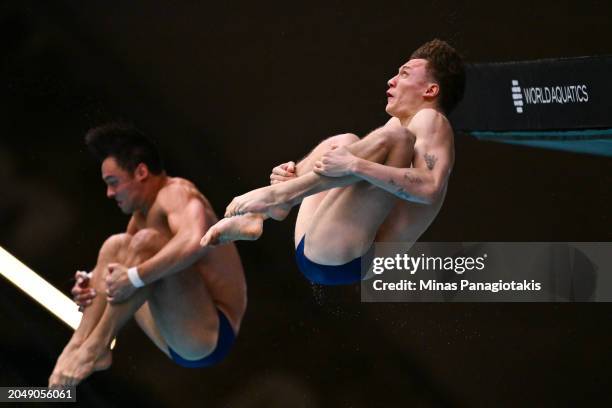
{"x": 134, "y": 277}
{"x": 356, "y": 167}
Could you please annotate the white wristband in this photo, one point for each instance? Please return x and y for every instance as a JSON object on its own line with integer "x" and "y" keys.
{"x": 134, "y": 278}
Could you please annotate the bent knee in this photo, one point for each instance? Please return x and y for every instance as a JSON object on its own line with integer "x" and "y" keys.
{"x": 147, "y": 240}
{"x": 343, "y": 139}
{"x": 401, "y": 135}
{"x": 115, "y": 244}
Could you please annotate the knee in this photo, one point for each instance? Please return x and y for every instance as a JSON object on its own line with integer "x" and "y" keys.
{"x": 392, "y": 139}
{"x": 115, "y": 245}
{"x": 147, "y": 241}
{"x": 344, "y": 139}
{"x": 401, "y": 135}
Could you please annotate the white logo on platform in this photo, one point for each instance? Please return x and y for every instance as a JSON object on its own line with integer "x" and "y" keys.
{"x": 517, "y": 96}
{"x": 560, "y": 95}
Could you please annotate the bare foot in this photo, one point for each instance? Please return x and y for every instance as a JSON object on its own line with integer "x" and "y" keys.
{"x": 262, "y": 200}
{"x": 247, "y": 227}
{"x": 72, "y": 346}
{"x": 78, "y": 364}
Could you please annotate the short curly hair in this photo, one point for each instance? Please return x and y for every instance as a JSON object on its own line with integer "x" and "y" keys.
{"x": 447, "y": 68}
{"x": 126, "y": 144}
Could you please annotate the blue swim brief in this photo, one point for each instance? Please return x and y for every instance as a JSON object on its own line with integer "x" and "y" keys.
{"x": 345, "y": 274}
{"x": 224, "y": 344}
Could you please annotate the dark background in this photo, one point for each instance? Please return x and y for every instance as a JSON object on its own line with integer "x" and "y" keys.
{"x": 232, "y": 90}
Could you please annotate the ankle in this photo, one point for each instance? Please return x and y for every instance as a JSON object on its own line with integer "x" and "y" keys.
{"x": 77, "y": 340}
{"x": 95, "y": 349}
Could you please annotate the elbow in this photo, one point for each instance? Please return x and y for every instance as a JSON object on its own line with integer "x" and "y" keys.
{"x": 430, "y": 195}
{"x": 192, "y": 246}
{"x": 433, "y": 194}
{"x": 426, "y": 199}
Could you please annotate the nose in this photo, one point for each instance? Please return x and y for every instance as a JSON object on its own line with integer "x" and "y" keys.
{"x": 392, "y": 81}
{"x": 110, "y": 193}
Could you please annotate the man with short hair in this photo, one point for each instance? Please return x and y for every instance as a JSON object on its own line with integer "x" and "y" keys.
{"x": 386, "y": 187}
{"x": 189, "y": 300}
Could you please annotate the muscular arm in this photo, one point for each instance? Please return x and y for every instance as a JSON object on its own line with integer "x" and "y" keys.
{"x": 187, "y": 220}
{"x": 425, "y": 181}
{"x": 411, "y": 184}
{"x": 339, "y": 168}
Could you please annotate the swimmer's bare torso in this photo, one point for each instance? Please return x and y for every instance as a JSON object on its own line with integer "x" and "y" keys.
{"x": 408, "y": 220}
{"x": 220, "y": 267}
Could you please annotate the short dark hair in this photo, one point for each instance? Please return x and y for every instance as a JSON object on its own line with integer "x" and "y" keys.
{"x": 126, "y": 144}
{"x": 446, "y": 66}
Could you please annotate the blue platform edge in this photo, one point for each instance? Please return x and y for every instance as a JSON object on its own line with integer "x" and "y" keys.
{"x": 588, "y": 141}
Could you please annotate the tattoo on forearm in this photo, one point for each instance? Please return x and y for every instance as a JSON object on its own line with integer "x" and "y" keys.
{"x": 431, "y": 160}
{"x": 413, "y": 179}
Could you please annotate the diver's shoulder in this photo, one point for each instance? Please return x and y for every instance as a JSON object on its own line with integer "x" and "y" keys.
{"x": 178, "y": 187}
{"x": 430, "y": 120}
{"x": 430, "y": 115}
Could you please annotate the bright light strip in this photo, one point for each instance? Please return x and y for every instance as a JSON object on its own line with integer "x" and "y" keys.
{"x": 39, "y": 289}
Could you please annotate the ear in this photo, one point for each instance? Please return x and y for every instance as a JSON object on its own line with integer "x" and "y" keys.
{"x": 433, "y": 90}
{"x": 141, "y": 172}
